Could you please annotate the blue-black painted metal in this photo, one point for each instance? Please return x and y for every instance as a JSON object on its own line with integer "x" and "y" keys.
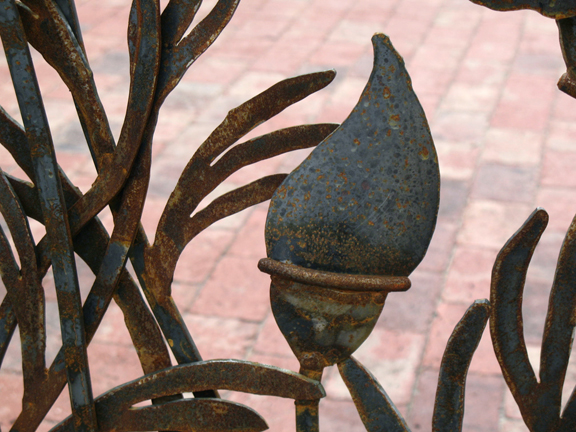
{"x": 366, "y": 200}
{"x": 449, "y": 405}
{"x": 54, "y": 211}
{"x": 345, "y": 229}
{"x": 376, "y": 409}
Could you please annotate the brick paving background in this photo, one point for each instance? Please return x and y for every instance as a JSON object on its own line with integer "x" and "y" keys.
{"x": 504, "y": 136}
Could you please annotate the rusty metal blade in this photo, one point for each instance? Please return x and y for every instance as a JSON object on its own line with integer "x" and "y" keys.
{"x": 449, "y": 405}
{"x": 568, "y": 420}
{"x": 239, "y": 121}
{"x": 242, "y": 119}
{"x": 193, "y": 415}
{"x": 18, "y": 224}
{"x": 26, "y": 295}
{"x": 366, "y": 199}
{"x": 506, "y": 324}
{"x": 162, "y": 262}
{"x": 91, "y": 244}
{"x": 68, "y": 10}
{"x": 48, "y": 32}
{"x": 236, "y": 375}
{"x": 8, "y": 267}
{"x": 376, "y": 409}
{"x": 176, "y": 18}
{"x": 13, "y": 138}
{"x": 176, "y": 59}
{"x": 559, "y": 327}
{"x": 7, "y": 326}
{"x": 144, "y": 43}
{"x": 270, "y": 145}
{"x": 567, "y": 32}
{"x": 144, "y": 40}
{"x": 54, "y": 211}
{"x": 190, "y": 415}
{"x": 552, "y": 9}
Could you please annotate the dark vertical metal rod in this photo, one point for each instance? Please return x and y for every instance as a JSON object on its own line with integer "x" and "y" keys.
{"x": 307, "y": 412}
{"x": 54, "y": 211}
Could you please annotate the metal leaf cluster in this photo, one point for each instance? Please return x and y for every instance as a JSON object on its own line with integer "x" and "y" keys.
{"x": 307, "y": 287}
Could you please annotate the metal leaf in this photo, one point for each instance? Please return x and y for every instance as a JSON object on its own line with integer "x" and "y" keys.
{"x": 449, "y": 405}
{"x": 376, "y": 409}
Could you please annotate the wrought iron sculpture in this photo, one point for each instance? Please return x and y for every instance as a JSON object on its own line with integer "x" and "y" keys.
{"x": 345, "y": 228}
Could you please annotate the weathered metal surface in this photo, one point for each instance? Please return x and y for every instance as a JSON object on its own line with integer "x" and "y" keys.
{"x": 334, "y": 280}
{"x": 323, "y": 326}
{"x": 556, "y": 9}
{"x": 567, "y": 31}
{"x": 539, "y": 401}
{"x": 190, "y": 415}
{"x": 449, "y": 405}
{"x": 344, "y": 230}
{"x": 376, "y": 409}
{"x": 365, "y": 201}
{"x": 176, "y": 228}
{"x": 54, "y": 211}
{"x": 115, "y": 408}
{"x": 351, "y": 223}
{"x": 508, "y": 277}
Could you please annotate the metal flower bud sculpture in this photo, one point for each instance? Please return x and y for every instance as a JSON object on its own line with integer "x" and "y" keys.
{"x": 352, "y": 222}
{"x": 344, "y": 229}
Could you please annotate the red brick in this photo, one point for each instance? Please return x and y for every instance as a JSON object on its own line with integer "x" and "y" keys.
{"x": 249, "y": 241}
{"x": 236, "y": 289}
{"x": 470, "y": 97}
{"x": 457, "y": 162}
{"x": 483, "y": 401}
{"x": 466, "y": 129}
{"x": 113, "y": 365}
{"x": 221, "y": 338}
{"x": 469, "y": 275}
{"x": 393, "y": 357}
{"x": 558, "y": 169}
{"x": 507, "y": 183}
{"x": 560, "y": 203}
{"x": 490, "y": 223}
{"x": 453, "y": 198}
{"x": 200, "y": 257}
{"x": 543, "y": 265}
{"x": 287, "y": 56}
{"x": 447, "y": 316}
{"x": 11, "y": 388}
{"x": 561, "y": 135}
{"x": 336, "y": 54}
{"x": 351, "y": 31}
{"x": 512, "y": 146}
{"x": 484, "y": 362}
{"x": 420, "y": 414}
{"x": 112, "y": 329}
{"x": 440, "y": 248}
{"x": 510, "y": 425}
{"x": 564, "y": 108}
{"x": 520, "y": 116}
{"x": 481, "y": 73}
{"x": 412, "y": 311}
{"x": 271, "y": 342}
{"x": 339, "y": 416}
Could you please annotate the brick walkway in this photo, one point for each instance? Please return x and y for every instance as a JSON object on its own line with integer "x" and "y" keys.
{"x": 504, "y": 135}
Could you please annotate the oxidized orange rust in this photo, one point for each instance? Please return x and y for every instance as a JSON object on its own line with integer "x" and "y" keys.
{"x": 340, "y": 281}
